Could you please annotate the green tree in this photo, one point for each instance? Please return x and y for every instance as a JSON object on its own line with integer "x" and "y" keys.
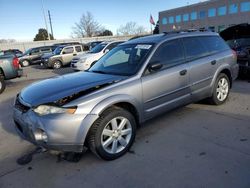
{"x": 42, "y": 35}
{"x": 156, "y": 29}
{"x": 106, "y": 32}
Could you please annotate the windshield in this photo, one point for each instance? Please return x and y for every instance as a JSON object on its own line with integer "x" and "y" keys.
{"x": 98, "y": 48}
{"x": 27, "y": 52}
{"x": 236, "y": 43}
{"x": 58, "y": 50}
{"x": 123, "y": 60}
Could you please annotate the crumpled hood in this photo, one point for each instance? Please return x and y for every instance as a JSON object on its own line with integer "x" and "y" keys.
{"x": 53, "y": 89}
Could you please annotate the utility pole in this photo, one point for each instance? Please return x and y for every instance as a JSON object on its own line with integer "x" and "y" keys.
{"x": 45, "y": 21}
{"x": 51, "y": 29}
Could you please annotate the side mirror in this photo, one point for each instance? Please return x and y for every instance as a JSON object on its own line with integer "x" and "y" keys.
{"x": 154, "y": 66}
{"x": 106, "y": 51}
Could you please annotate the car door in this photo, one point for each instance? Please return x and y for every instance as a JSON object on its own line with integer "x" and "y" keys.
{"x": 168, "y": 87}
{"x": 201, "y": 64}
{"x": 67, "y": 54}
{"x": 34, "y": 54}
{"x": 78, "y": 50}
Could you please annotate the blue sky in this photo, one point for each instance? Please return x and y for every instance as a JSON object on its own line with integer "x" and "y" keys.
{"x": 21, "y": 20}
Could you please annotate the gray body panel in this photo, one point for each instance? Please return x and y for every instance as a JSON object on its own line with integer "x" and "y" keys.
{"x": 7, "y": 68}
{"x": 150, "y": 94}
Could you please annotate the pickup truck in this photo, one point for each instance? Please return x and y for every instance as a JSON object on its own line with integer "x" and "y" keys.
{"x": 9, "y": 68}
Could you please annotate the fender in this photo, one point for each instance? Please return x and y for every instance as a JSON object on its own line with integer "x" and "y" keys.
{"x": 108, "y": 102}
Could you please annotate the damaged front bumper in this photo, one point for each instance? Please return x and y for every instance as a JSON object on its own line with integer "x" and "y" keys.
{"x": 62, "y": 132}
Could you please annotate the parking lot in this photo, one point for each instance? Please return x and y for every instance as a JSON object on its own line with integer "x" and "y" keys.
{"x": 198, "y": 145}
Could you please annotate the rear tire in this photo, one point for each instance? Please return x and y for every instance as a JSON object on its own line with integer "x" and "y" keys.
{"x": 221, "y": 90}
{"x": 2, "y": 84}
{"x": 112, "y": 134}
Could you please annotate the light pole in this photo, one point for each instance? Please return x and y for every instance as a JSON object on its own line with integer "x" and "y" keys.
{"x": 45, "y": 20}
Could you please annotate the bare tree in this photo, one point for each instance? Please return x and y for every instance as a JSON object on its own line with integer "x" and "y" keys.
{"x": 87, "y": 26}
{"x": 131, "y": 28}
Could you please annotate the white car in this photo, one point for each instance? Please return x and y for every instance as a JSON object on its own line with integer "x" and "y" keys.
{"x": 85, "y": 61}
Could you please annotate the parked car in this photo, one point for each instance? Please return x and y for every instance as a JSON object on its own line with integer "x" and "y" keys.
{"x": 15, "y": 52}
{"x": 9, "y": 68}
{"x": 86, "y": 60}
{"x": 134, "y": 82}
{"x": 67, "y": 43}
{"x": 238, "y": 38}
{"x": 61, "y": 56}
{"x": 33, "y": 55}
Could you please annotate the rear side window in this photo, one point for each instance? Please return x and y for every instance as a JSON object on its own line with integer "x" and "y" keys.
{"x": 68, "y": 50}
{"x": 194, "y": 48}
{"x": 45, "y": 49}
{"x": 169, "y": 54}
{"x": 78, "y": 48}
{"x": 214, "y": 44}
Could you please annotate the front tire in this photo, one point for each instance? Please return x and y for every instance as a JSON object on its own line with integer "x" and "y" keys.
{"x": 113, "y": 133}
{"x": 57, "y": 64}
{"x": 25, "y": 63}
{"x": 220, "y": 90}
{"x": 2, "y": 84}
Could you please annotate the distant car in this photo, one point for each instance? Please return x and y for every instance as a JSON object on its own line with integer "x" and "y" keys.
{"x": 238, "y": 38}
{"x": 86, "y": 60}
{"x": 9, "y": 68}
{"x": 15, "y": 52}
{"x": 67, "y": 43}
{"x": 61, "y": 56}
{"x": 33, "y": 55}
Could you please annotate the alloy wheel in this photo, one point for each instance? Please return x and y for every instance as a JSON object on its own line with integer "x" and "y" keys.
{"x": 222, "y": 89}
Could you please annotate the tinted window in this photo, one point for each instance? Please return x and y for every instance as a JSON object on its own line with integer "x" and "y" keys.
{"x": 193, "y": 15}
{"x": 233, "y": 8}
{"x": 222, "y": 11}
{"x": 194, "y": 48}
{"x": 111, "y": 46}
{"x": 68, "y": 50}
{"x": 78, "y": 48}
{"x": 169, "y": 54}
{"x": 214, "y": 44}
{"x": 245, "y": 6}
{"x": 211, "y": 12}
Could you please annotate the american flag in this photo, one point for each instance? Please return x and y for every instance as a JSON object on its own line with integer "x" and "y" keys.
{"x": 151, "y": 20}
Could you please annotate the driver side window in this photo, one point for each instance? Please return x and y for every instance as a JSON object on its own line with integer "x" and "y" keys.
{"x": 169, "y": 54}
{"x": 68, "y": 50}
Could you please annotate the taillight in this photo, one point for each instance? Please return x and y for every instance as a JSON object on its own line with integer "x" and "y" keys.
{"x": 15, "y": 63}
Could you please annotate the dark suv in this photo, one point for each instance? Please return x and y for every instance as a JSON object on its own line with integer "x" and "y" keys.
{"x": 238, "y": 38}
{"x": 33, "y": 55}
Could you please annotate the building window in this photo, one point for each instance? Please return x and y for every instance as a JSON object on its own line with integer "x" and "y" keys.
{"x": 202, "y": 14}
{"x": 178, "y": 19}
{"x": 233, "y": 8}
{"x": 185, "y": 17}
{"x": 171, "y": 20}
{"x": 164, "y": 21}
{"x": 222, "y": 11}
{"x": 194, "y": 16}
{"x": 245, "y": 6}
{"x": 221, "y": 28}
{"x": 212, "y": 12}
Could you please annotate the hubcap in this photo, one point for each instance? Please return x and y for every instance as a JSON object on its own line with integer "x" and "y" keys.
{"x": 116, "y": 135}
{"x": 222, "y": 89}
{"x": 25, "y": 63}
{"x": 57, "y": 65}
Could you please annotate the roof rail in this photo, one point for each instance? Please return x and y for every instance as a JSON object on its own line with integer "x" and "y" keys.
{"x": 186, "y": 31}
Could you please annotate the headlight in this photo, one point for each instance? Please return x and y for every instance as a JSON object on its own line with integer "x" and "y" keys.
{"x": 82, "y": 60}
{"x": 45, "y": 110}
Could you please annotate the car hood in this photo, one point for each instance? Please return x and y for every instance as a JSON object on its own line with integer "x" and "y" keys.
{"x": 54, "y": 89}
{"x": 236, "y": 32}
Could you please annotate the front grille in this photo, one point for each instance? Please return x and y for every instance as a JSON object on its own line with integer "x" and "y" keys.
{"x": 23, "y": 108}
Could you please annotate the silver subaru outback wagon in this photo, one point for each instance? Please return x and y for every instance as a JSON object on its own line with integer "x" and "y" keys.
{"x": 139, "y": 79}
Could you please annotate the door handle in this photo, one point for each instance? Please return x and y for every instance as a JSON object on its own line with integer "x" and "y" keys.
{"x": 213, "y": 62}
{"x": 183, "y": 72}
